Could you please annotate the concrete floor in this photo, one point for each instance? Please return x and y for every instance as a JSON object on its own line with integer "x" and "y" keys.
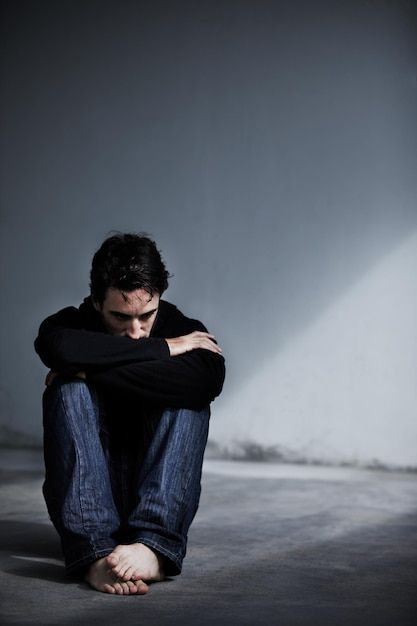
{"x": 271, "y": 544}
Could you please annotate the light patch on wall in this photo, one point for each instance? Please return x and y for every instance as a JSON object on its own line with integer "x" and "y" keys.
{"x": 344, "y": 391}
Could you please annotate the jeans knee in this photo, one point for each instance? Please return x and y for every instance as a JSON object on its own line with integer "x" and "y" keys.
{"x": 191, "y": 425}
{"x": 68, "y": 392}
{"x": 199, "y": 418}
{"x": 202, "y": 414}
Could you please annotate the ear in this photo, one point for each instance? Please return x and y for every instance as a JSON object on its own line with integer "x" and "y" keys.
{"x": 96, "y": 304}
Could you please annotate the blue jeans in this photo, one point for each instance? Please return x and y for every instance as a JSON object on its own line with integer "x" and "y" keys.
{"x": 112, "y": 479}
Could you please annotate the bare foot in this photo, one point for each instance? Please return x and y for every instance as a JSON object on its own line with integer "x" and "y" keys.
{"x": 135, "y": 562}
{"x": 100, "y": 577}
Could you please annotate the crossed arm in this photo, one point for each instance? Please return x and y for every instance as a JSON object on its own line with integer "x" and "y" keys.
{"x": 186, "y": 371}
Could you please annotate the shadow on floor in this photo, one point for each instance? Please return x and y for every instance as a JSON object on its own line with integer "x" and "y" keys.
{"x": 30, "y": 549}
{"x": 365, "y": 577}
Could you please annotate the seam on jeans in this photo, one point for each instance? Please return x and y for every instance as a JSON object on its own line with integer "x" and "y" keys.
{"x": 79, "y": 468}
{"x": 188, "y": 477}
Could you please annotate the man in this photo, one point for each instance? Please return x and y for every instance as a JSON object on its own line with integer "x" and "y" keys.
{"x": 126, "y": 413}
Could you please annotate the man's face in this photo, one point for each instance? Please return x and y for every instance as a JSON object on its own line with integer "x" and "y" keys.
{"x": 129, "y": 315}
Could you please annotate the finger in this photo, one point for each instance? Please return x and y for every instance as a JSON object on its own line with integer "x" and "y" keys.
{"x": 208, "y": 342}
{"x": 202, "y": 333}
{"x": 50, "y": 377}
{"x": 215, "y": 349}
{"x": 209, "y": 345}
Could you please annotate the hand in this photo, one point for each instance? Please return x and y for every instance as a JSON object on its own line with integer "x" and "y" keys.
{"x": 197, "y": 339}
{"x": 51, "y": 375}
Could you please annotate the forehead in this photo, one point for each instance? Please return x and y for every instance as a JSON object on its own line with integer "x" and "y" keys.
{"x": 137, "y": 301}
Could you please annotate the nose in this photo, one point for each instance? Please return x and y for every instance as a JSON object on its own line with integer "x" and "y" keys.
{"x": 134, "y": 329}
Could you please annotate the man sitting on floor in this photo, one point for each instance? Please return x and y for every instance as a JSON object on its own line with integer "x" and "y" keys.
{"x": 126, "y": 414}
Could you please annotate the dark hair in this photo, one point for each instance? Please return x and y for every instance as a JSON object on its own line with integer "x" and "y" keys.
{"x": 127, "y": 261}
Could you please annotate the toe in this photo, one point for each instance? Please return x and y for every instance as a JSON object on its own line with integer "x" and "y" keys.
{"x": 126, "y": 588}
{"x": 128, "y": 573}
{"x": 136, "y": 575}
{"x": 117, "y": 569}
{"x": 121, "y": 570}
{"x": 142, "y": 587}
{"x": 118, "y": 588}
{"x": 109, "y": 588}
{"x": 132, "y": 587}
{"x": 112, "y": 560}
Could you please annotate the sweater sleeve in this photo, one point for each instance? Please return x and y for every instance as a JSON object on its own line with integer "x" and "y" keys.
{"x": 190, "y": 380}
{"x": 64, "y": 345}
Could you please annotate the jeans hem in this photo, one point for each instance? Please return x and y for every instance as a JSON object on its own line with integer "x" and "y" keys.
{"x": 173, "y": 564}
{"x": 77, "y": 567}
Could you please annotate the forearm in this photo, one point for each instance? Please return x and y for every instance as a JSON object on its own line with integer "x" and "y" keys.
{"x": 71, "y": 350}
{"x": 190, "y": 381}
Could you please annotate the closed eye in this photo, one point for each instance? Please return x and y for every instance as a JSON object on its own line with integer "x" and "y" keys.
{"x": 146, "y": 316}
{"x": 121, "y": 316}
{"x": 124, "y": 317}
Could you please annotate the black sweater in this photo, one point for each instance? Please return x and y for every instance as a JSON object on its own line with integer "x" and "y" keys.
{"x": 75, "y": 340}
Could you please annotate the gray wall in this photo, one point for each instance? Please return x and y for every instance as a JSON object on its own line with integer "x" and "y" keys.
{"x": 270, "y": 148}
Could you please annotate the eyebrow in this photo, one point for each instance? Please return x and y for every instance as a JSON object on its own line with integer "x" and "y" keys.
{"x": 127, "y": 316}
